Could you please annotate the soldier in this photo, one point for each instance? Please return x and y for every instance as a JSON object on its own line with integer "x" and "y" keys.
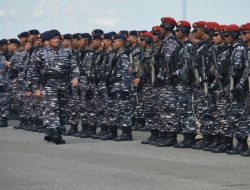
{"x": 135, "y": 55}
{"x": 23, "y": 38}
{"x": 245, "y": 80}
{"x": 103, "y": 68}
{"x": 121, "y": 79}
{"x": 4, "y": 102}
{"x": 56, "y": 67}
{"x": 88, "y": 88}
{"x": 4, "y": 48}
{"x": 185, "y": 80}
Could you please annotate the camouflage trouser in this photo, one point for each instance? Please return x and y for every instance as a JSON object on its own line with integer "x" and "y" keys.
{"x": 185, "y": 109}
{"x": 101, "y": 105}
{"x": 73, "y": 107}
{"x": 233, "y": 118}
{"x": 37, "y": 108}
{"x": 4, "y": 102}
{"x": 209, "y": 117}
{"x": 123, "y": 109}
{"x": 88, "y": 103}
{"x": 168, "y": 111}
{"x": 54, "y": 103}
{"x": 150, "y": 99}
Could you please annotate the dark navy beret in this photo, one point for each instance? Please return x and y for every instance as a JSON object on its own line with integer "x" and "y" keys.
{"x": 76, "y": 36}
{"x": 125, "y": 32}
{"x": 107, "y": 36}
{"x": 34, "y": 32}
{"x": 86, "y": 35}
{"x": 3, "y": 42}
{"x": 120, "y": 37}
{"x": 44, "y": 36}
{"x": 14, "y": 41}
{"x": 113, "y": 33}
{"x": 23, "y": 35}
{"x": 97, "y": 31}
{"x": 67, "y": 36}
{"x": 133, "y": 33}
{"x": 52, "y": 33}
{"x": 96, "y": 36}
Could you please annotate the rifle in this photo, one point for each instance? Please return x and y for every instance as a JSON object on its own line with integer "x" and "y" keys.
{"x": 216, "y": 71}
{"x": 204, "y": 75}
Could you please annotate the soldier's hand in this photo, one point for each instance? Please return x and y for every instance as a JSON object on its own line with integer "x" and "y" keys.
{"x": 136, "y": 82}
{"x": 75, "y": 82}
{"x": 28, "y": 94}
{"x": 38, "y": 93}
{"x": 7, "y": 63}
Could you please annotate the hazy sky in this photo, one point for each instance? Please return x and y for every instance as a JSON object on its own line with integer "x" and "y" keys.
{"x": 71, "y": 16}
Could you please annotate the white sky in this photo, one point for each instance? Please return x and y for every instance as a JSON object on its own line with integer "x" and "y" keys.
{"x": 71, "y": 16}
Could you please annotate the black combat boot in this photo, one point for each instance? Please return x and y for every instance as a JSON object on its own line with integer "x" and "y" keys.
{"x": 4, "y": 122}
{"x": 34, "y": 126}
{"x": 103, "y": 131}
{"x": 202, "y": 143}
{"x": 28, "y": 126}
{"x": 163, "y": 139}
{"x": 126, "y": 135}
{"x": 215, "y": 142}
{"x": 241, "y": 147}
{"x": 112, "y": 133}
{"x": 41, "y": 127}
{"x": 57, "y": 136}
{"x": 49, "y": 135}
{"x": 154, "y": 134}
{"x": 157, "y": 138}
{"x": 246, "y": 153}
{"x": 188, "y": 141}
{"x": 172, "y": 139}
{"x": 72, "y": 131}
{"x": 92, "y": 131}
{"x": 83, "y": 133}
{"x": 227, "y": 144}
{"x": 22, "y": 124}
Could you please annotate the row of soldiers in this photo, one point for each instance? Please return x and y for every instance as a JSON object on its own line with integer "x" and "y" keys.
{"x": 171, "y": 81}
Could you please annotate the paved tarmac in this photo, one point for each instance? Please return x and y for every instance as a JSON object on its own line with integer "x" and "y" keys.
{"x": 29, "y": 163}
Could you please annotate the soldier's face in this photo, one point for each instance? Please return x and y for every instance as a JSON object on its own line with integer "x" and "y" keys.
{"x": 198, "y": 33}
{"x": 12, "y": 47}
{"x": 27, "y": 46}
{"x": 82, "y": 43}
{"x": 96, "y": 43}
{"x": 156, "y": 38}
{"x": 23, "y": 40}
{"x": 179, "y": 34}
{"x": 54, "y": 42}
{"x": 228, "y": 38}
{"x": 107, "y": 43}
{"x": 245, "y": 35}
{"x": 118, "y": 44}
{"x": 66, "y": 43}
{"x": 217, "y": 38}
{"x": 132, "y": 39}
{"x": 5, "y": 47}
{"x": 75, "y": 43}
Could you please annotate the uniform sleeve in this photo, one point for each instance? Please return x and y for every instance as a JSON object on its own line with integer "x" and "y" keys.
{"x": 34, "y": 72}
{"x": 74, "y": 67}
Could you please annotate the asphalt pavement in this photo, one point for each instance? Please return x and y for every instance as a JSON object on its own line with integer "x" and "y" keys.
{"x": 29, "y": 163}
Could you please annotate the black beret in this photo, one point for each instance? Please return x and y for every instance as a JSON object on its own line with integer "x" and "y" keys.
{"x": 23, "y": 35}
{"x": 97, "y": 31}
{"x": 86, "y": 35}
{"x": 113, "y": 33}
{"x": 96, "y": 37}
{"x": 133, "y": 33}
{"x": 76, "y": 36}
{"x": 3, "y": 42}
{"x": 107, "y": 36}
{"x": 67, "y": 36}
{"x": 34, "y": 32}
{"x": 14, "y": 41}
{"x": 52, "y": 33}
{"x": 44, "y": 36}
{"x": 125, "y": 32}
{"x": 120, "y": 37}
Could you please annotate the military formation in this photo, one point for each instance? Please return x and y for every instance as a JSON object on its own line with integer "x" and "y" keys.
{"x": 177, "y": 78}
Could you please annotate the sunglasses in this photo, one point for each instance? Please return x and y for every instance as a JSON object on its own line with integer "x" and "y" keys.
{"x": 216, "y": 34}
{"x": 226, "y": 35}
{"x": 177, "y": 30}
{"x": 245, "y": 32}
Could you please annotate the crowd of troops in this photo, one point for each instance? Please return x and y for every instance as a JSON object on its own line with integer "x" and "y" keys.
{"x": 169, "y": 81}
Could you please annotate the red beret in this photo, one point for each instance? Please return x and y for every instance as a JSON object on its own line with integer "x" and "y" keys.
{"x": 168, "y": 20}
{"x": 212, "y": 25}
{"x": 221, "y": 28}
{"x": 232, "y": 28}
{"x": 245, "y": 27}
{"x": 199, "y": 24}
{"x": 183, "y": 23}
{"x": 148, "y": 34}
{"x": 156, "y": 28}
